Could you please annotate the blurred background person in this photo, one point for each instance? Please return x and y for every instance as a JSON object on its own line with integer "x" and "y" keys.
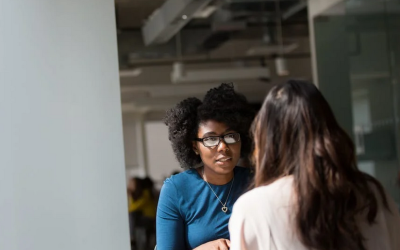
{"x": 142, "y": 212}
{"x": 208, "y": 139}
{"x": 309, "y": 192}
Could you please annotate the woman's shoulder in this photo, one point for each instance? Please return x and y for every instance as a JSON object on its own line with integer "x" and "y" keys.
{"x": 275, "y": 194}
{"x": 182, "y": 179}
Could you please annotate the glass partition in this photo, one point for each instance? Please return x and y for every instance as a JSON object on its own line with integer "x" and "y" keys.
{"x": 358, "y": 58}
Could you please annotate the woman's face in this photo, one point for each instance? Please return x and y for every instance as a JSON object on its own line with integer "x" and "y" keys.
{"x": 132, "y": 185}
{"x": 220, "y": 159}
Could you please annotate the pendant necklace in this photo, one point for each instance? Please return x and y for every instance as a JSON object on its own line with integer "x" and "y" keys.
{"x": 224, "y": 207}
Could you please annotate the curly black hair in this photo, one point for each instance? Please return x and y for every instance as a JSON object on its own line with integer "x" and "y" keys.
{"x": 221, "y": 104}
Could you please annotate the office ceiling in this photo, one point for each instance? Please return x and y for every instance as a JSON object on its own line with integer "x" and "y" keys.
{"x": 248, "y": 38}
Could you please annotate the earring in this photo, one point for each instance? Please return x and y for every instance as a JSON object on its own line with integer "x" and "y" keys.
{"x": 196, "y": 152}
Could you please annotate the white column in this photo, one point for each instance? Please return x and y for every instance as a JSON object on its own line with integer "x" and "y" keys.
{"x": 62, "y": 183}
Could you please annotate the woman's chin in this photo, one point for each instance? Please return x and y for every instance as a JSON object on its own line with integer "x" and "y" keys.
{"x": 224, "y": 167}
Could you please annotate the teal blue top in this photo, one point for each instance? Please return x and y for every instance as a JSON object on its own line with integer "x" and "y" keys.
{"x": 189, "y": 214}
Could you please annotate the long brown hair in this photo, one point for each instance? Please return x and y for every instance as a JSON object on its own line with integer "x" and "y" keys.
{"x": 297, "y": 134}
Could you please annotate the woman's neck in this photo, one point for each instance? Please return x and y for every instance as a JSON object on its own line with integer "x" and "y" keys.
{"x": 214, "y": 178}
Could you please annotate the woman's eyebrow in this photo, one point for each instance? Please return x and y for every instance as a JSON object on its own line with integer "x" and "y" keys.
{"x": 211, "y": 133}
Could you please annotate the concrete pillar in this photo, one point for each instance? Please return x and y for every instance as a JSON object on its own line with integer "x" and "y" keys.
{"x": 62, "y": 183}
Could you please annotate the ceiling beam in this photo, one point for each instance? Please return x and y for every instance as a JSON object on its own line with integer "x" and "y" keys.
{"x": 294, "y": 9}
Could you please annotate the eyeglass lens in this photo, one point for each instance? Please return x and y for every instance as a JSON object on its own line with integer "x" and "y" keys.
{"x": 214, "y": 140}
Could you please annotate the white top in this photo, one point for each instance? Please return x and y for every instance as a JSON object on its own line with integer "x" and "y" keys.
{"x": 261, "y": 220}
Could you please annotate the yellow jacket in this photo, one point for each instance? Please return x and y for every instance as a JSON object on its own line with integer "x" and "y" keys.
{"x": 144, "y": 204}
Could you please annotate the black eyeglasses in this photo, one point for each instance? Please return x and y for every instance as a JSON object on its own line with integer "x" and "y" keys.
{"x": 212, "y": 141}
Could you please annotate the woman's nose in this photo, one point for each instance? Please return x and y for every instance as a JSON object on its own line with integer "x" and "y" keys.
{"x": 223, "y": 146}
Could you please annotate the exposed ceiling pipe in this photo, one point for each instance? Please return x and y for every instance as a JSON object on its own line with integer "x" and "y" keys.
{"x": 134, "y": 52}
{"x": 207, "y": 60}
{"x": 222, "y": 28}
{"x": 250, "y": 23}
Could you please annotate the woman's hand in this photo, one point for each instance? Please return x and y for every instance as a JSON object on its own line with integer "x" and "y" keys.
{"x": 220, "y": 244}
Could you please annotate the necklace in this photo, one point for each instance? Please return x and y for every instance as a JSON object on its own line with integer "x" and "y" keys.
{"x": 224, "y": 207}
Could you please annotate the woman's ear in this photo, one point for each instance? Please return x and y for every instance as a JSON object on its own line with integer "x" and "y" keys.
{"x": 195, "y": 149}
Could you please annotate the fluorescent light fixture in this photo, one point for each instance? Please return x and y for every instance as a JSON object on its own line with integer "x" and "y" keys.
{"x": 270, "y": 49}
{"x": 281, "y": 67}
{"x": 130, "y": 73}
{"x": 180, "y": 75}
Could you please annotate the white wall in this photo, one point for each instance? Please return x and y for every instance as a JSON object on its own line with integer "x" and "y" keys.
{"x": 134, "y": 145}
{"x": 148, "y": 151}
{"x": 161, "y": 159}
{"x": 61, "y": 162}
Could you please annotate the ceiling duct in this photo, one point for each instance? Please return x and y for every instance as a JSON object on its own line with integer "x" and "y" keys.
{"x": 221, "y": 33}
{"x": 166, "y": 21}
{"x": 180, "y": 75}
{"x": 272, "y": 40}
{"x": 223, "y": 27}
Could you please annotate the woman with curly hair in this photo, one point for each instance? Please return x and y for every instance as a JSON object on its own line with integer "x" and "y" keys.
{"x": 208, "y": 139}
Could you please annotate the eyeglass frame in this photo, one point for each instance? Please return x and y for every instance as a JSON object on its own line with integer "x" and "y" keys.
{"x": 221, "y": 138}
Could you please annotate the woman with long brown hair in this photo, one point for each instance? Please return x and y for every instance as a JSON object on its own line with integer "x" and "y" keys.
{"x": 309, "y": 193}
